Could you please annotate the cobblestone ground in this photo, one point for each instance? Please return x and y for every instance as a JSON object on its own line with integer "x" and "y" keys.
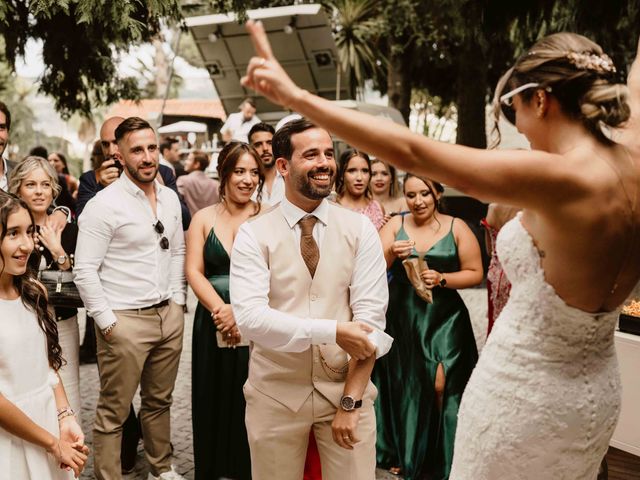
{"x": 181, "y": 410}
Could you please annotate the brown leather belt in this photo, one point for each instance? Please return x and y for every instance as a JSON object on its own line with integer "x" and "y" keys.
{"x": 161, "y": 304}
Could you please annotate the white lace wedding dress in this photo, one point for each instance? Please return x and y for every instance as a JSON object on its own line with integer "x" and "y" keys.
{"x": 544, "y": 398}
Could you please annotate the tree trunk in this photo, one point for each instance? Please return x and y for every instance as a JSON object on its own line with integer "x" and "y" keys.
{"x": 471, "y": 96}
{"x": 399, "y": 84}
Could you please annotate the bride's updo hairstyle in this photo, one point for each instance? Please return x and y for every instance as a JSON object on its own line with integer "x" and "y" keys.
{"x": 578, "y": 74}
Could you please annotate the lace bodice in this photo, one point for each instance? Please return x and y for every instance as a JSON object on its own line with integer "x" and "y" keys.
{"x": 544, "y": 398}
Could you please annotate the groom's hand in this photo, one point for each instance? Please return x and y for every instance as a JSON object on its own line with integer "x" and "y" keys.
{"x": 352, "y": 338}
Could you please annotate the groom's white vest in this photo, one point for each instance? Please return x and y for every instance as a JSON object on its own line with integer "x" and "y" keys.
{"x": 290, "y": 378}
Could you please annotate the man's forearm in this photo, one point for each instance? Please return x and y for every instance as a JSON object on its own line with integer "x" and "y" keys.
{"x": 358, "y": 376}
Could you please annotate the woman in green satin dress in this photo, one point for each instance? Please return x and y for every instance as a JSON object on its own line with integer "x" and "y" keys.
{"x": 220, "y": 445}
{"x": 421, "y": 380}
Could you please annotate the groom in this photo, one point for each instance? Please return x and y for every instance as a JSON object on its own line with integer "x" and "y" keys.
{"x": 308, "y": 288}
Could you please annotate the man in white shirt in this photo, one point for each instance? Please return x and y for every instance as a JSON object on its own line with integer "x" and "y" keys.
{"x": 260, "y": 138}
{"x": 317, "y": 332}
{"x": 238, "y": 124}
{"x": 130, "y": 274}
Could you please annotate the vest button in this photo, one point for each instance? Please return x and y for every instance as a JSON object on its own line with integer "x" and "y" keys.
{"x": 314, "y": 297}
{"x": 315, "y": 378}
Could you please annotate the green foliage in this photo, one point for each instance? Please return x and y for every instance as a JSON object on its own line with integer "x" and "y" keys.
{"x": 81, "y": 39}
{"x": 357, "y": 24}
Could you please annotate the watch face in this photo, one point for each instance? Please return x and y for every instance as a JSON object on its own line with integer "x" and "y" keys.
{"x": 347, "y": 403}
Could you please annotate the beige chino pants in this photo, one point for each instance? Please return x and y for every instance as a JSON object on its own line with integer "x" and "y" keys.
{"x": 143, "y": 349}
{"x": 278, "y": 439}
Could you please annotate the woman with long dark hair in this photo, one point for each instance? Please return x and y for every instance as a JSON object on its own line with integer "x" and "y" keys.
{"x": 35, "y": 182}
{"x": 33, "y": 443}
{"x": 547, "y": 381}
{"x": 220, "y": 359}
{"x": 352, "y": 186}
{"x": 421, "y": 380}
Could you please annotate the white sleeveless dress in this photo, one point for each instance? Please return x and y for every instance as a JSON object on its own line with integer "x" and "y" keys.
{"x": 27, "y": 381}
{"x": 544, "y": 398}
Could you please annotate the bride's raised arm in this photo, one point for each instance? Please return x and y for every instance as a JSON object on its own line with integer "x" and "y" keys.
{"x": 532, "y": 179}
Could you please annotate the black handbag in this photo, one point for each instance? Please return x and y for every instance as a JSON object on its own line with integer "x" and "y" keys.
{"x": 61, "y": 288}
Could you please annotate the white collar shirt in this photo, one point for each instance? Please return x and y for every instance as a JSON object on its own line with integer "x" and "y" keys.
{"x": 4, "y": 179}
{"x": 249, "y": 283}
{"x": 239, "y": 127}
{"x": 119, "y": 263}
{"x": 276, "y": 195}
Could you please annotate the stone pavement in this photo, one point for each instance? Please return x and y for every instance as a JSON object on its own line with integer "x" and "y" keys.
{"x": 181, "y": 410}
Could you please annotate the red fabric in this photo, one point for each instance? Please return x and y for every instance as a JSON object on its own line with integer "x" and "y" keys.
{"x": 312, "y": 470}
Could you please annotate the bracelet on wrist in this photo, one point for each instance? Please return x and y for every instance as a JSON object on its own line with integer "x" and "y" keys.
{"x": 65, "y": 412}
{"x": 108, "y": 330}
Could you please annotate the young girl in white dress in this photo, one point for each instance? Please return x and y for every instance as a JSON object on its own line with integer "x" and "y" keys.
{"x": 544, "y": 398}
{"x": 36, "y": 443}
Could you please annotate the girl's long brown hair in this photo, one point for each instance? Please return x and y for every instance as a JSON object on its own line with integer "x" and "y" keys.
{"x": 32, "y": 293}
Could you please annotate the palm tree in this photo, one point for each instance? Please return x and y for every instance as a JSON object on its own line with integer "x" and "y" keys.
{"x": 357, "y": 23}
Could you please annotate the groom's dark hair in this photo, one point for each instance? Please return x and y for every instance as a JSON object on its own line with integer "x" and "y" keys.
{"x": 281, "y": 141}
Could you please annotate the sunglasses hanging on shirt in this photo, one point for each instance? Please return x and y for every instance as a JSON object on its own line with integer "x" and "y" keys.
{"x": 164, "y": 241}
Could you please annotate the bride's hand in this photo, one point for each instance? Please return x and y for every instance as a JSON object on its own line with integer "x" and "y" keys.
{"x": 264, "y": 74}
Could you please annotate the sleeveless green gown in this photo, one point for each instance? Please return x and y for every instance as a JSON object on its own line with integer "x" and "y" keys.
{"x": 413, "y": 433}
{"x": 220, "y": 446}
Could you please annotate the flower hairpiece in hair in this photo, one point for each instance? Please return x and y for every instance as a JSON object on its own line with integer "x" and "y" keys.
{"x": 591, "y": 61}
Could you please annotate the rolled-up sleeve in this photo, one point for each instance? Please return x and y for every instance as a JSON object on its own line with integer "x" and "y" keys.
{"x": 249, "y": 290}
{"x": 95, "y": 231}
{"x": 369, "y": 290}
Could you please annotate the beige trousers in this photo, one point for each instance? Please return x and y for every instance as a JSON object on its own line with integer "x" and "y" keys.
{"x": 143, "y": 349}
{"x": 278, "y": 439}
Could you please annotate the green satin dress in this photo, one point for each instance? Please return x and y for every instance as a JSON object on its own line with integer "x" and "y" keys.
{"x": 220, "y": 446}
{"x": 413, "y": 433}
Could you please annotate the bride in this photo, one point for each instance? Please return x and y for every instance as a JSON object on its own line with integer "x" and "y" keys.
{"x": 545, "y": 396}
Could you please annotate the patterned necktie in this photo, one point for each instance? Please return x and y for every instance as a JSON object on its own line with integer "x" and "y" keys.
{"x": 308, "y": 246}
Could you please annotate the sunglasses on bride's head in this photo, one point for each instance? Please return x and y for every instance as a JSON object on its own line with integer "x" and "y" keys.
{"x": 506, "y": 100}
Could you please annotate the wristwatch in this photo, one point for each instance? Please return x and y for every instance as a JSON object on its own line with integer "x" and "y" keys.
{"x": 443, "y": 281}
{"x": 61, "y": 259}
{"x": 348, "y": 403}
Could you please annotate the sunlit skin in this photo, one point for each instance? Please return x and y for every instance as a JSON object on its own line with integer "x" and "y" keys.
{"x": 421, "y": 200}
{"x": 108, "y": 173}
{"x": 189, "y": 164}
{"x": 138, "y": 151}
{"x": 356, "y": 177}
{"x": 172, "y": 154}
{"x": 310, "y": 173}
{"x": 356, "y": 180}
{"x": 381, "y": 188}
{"x": 380, "y": 179}
{"x": 56, "y": 162}
{"x": 243, "y": 181}
{"x": 16, "y": 247}
{"x": 261, "y": 141}
{"x": 37, "y": 192}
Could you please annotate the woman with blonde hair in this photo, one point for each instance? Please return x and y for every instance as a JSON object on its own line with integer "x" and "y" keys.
{"x": 386, "y": 188}
{"x": 35, "y": 182}
{"x": 544, "y": 398}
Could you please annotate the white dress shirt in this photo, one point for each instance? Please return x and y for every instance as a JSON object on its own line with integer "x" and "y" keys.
{"x": 119, "y": 262}
{"x": 276, "y": 195}
{"x": 239, "y": 127}
{"x": 249, "y": 289}
{"x": 4, "y": 178}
